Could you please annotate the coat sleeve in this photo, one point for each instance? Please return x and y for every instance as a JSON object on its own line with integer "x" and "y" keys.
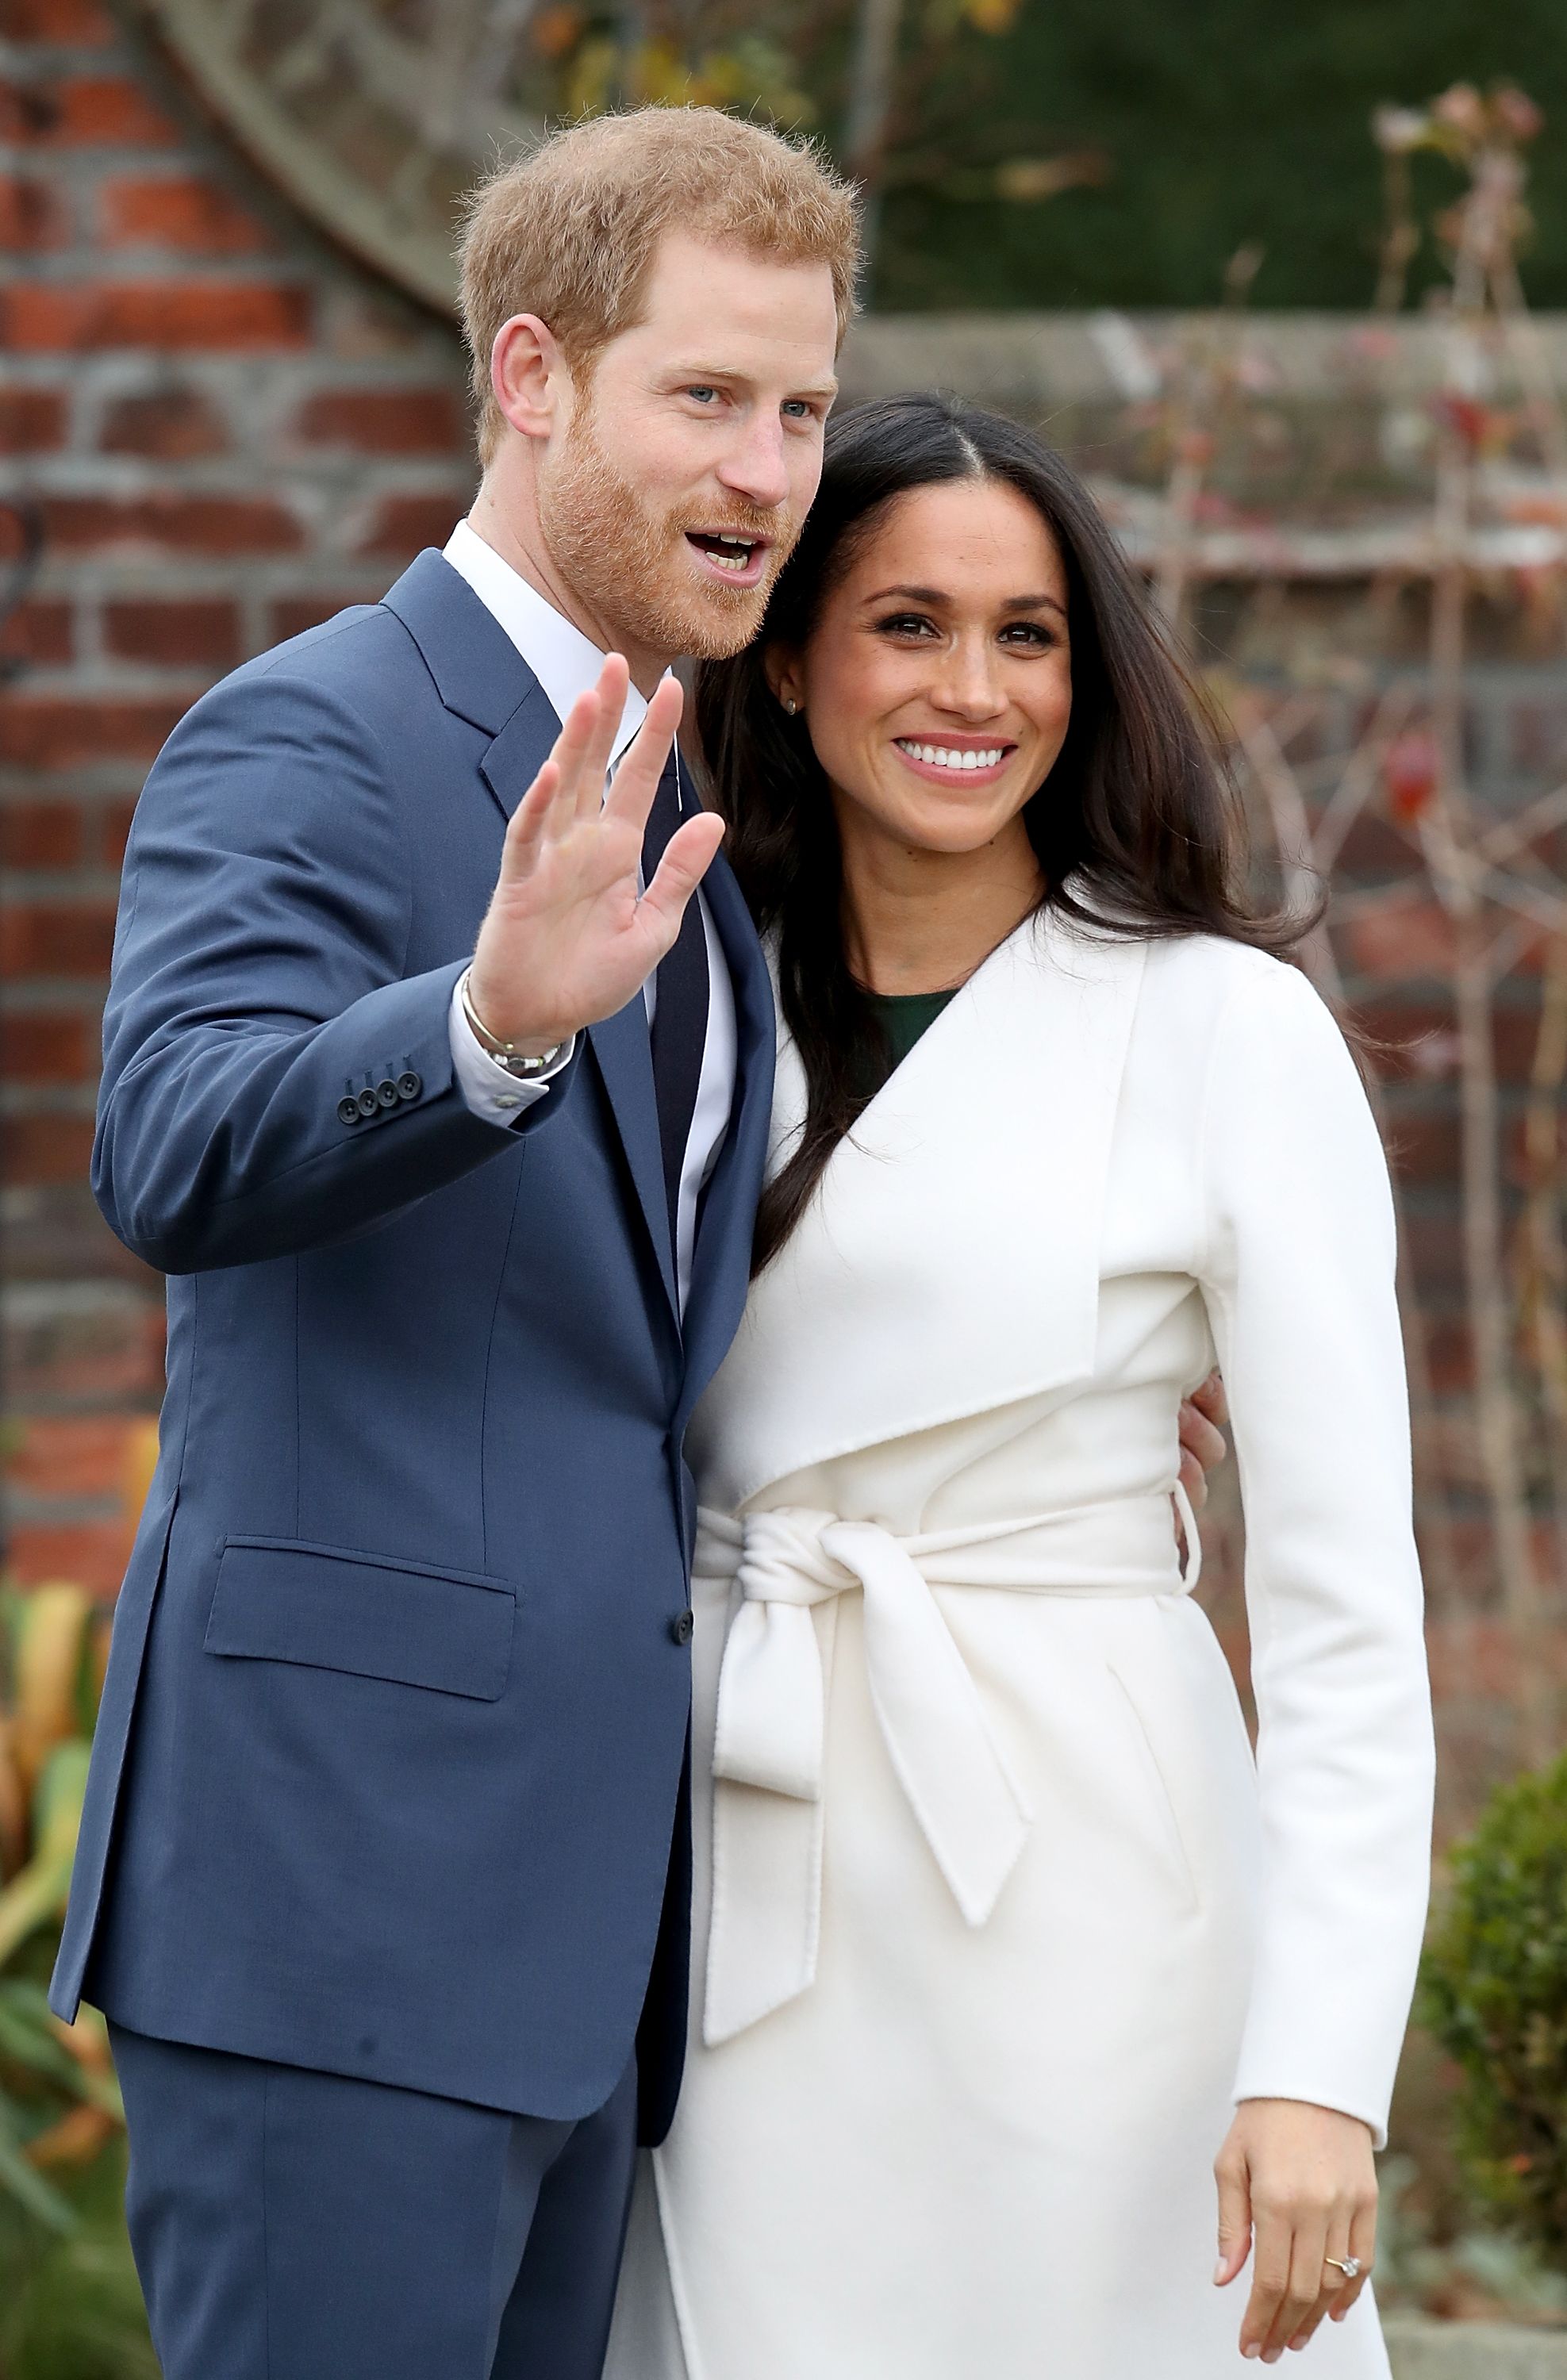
{"x": 259, "y": 983}
{"x": 1298, "y": 1278}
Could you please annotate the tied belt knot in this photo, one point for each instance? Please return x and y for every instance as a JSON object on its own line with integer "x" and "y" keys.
{"x": 769, "y": 1737}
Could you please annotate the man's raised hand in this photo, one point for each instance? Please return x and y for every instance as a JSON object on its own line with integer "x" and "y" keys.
{"x": 568, "y": 940}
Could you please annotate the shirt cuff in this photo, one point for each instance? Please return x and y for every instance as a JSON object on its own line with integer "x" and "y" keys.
{"x": 488, "y": 1089}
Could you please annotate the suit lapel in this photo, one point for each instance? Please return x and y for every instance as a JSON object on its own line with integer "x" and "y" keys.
{"x": 949, "y": 1261}
{"x": 720, "y": 1271}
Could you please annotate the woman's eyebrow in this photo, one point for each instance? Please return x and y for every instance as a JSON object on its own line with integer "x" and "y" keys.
{"x": 933, "y": 595}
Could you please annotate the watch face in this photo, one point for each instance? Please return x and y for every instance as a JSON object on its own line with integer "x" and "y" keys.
{"x": 374, "y": 116}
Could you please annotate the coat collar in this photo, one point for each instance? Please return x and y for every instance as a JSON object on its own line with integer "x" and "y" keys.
{"x": 949, "y": 1262}
{"x": 479, "y": 673}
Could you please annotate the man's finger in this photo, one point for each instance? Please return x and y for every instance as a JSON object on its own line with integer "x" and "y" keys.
{"x": 528, "y": 823}
{"x": 588, "y": 791}
{"x": 687, "y": 859}
{"x": 1199, "y": 1438}
{"x": 630, "y": 796}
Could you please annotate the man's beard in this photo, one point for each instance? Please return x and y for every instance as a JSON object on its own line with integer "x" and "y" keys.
{"x": 627, "y": 562}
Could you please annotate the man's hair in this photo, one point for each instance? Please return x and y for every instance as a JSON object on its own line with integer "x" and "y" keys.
{"x": 569, "y": 231}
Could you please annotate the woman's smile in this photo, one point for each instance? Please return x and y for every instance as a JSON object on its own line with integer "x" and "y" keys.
{"x": 948, "y": 759}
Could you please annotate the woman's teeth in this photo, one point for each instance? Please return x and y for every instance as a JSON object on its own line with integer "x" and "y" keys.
{"x": 939, "y": 756}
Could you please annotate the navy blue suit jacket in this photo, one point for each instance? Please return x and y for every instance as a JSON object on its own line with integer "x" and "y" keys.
{"x": 387, "y": 1770}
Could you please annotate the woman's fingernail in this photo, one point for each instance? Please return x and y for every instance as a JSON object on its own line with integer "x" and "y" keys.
{"x": 1251, "y": 2352}
{"x": 1219, "y": 2272}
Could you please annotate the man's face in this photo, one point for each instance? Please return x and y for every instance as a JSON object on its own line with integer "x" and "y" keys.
{"x": 672, "y": 496}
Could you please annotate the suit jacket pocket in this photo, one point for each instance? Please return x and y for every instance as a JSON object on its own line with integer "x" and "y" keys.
{"x": 326, "y": 1608}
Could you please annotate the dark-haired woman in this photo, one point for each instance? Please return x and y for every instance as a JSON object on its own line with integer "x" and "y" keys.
{"x": 1002, "y": 1939}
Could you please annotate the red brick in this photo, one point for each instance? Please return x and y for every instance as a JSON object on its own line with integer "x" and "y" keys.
{"x": 53, "y": 732}
{"x": 42, "y": 834}
{"x": 291, "y": 615}
{"x": 48, "y": 1050}
{"x": 53, "y": 938}
{"x": 73, "y": 1454}
{"x": 240, "y": 315}
{"x": 90, "y": 1553}
{"x": 172, "y": 423}
{"x": 384, "y": 422}
{"x": 41, "y": 1148}
{"x": 1412, "y": 938}
{"x": 184, "y": 523}
{"x": 40, "y": 631}
{"x": 78, "y": 23}
{"x": 117, "y": 817}
{"x": 201, "y": 634}
{"x": 32, "y": 420}
{"x": 83, "y": 111}
{"x": 180, "y": 211}
{"x": 402, "y": 525}
{"x": 32, "y": 215}
{"x": 105, "y": 1357}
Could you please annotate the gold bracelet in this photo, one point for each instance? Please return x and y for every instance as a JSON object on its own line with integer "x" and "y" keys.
{"x": 505, "y": 1052}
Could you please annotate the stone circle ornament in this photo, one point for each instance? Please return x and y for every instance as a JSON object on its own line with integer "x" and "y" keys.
{"x": 374, "y": 116}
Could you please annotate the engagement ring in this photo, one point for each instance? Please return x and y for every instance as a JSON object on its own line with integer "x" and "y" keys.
{"x": 1348, "y": 2265}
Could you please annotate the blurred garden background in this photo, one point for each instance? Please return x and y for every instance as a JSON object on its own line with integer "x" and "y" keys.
{"x": 1291, "y": 289}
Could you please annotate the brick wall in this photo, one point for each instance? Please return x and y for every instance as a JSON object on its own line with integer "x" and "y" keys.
{"x": 224, "y": 434}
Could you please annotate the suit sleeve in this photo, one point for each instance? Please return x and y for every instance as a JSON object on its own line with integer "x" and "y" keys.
{"x": 259, "y": 994}
{"x": 1299, "y": 1284}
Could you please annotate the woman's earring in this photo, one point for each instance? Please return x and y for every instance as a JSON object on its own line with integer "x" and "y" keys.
{"x": 790, "y": 705}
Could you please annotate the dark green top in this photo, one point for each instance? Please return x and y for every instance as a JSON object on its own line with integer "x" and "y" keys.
{"x": 903, "y": 1017}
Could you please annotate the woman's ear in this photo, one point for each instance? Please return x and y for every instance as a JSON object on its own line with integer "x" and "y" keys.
{"x": 782, "y": 669}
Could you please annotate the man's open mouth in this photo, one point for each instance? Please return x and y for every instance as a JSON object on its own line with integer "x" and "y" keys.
{"x": 731, "y": 554}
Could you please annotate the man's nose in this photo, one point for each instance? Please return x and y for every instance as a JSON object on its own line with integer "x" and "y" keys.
{"x": 756, "y": 467}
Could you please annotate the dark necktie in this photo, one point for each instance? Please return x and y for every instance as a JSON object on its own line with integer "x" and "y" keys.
{"x": 680, "y": 1011}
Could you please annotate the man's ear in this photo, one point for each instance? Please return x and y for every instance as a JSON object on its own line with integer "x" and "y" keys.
{"x": 526, "y": 371}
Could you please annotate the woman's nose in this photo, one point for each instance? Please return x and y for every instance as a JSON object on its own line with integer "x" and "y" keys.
{"x": 968, "y": 686}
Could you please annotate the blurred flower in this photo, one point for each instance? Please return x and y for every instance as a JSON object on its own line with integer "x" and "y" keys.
{"x": 1412, "y": 771}
{"x": 1515, "y": 113}
{"x": 1397, "y": 130}
{"x": 1462, "y": 110}
{"x": 1023, "y": 179}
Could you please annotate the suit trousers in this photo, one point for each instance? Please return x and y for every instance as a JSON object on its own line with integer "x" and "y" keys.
{"x": 291, "y": 2224}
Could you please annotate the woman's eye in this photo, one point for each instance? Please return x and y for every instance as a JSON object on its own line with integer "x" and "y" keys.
{"x": 906, "y": 623}
{"x": 1030, "y": 635}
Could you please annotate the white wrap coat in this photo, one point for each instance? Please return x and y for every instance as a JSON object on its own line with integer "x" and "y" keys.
{"x": 996, "y": 1917}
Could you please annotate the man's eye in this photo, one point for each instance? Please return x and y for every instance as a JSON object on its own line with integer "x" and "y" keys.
{"x": 702, "y": 395}
{"x": 798, "y": 409}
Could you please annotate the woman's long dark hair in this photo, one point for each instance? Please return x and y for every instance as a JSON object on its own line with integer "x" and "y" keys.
{"x": 1136, "y": 825}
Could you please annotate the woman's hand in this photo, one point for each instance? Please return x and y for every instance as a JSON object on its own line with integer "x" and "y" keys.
{"x": 1296, "y": 2184}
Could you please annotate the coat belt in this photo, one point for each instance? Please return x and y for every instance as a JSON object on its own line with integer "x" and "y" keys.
{"x": 770, "y": 1730}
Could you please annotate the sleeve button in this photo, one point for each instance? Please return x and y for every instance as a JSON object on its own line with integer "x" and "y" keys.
{"x": 368, "y": 1104}
{"x": 409, "y": 1086}
{"x": 349, "y": 1111}
{"x": 681, "y": 1629}
{"x": 387, "y": 1093}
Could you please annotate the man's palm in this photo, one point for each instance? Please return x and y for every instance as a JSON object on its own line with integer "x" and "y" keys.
{"x": 570, "y": 937}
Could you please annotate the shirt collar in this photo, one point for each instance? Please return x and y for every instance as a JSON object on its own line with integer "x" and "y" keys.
{"x": 564, "y": 662}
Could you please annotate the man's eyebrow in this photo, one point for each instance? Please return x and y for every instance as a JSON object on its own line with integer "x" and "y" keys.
{"x": 935, "y": 595}
{"x": 701, "y": 373}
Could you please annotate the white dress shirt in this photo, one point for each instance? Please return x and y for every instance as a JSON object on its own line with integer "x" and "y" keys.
{"x": 567, "y": 663}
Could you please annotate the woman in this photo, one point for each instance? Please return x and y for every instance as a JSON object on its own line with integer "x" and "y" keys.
{"x": 1000, "y": 1936}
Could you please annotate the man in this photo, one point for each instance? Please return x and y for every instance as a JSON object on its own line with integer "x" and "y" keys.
{"x": 443, "y": 1098}
{"x": 387, "y": 1775}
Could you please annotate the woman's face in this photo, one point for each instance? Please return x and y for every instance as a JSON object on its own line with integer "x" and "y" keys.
{"x": 937, "y": 684}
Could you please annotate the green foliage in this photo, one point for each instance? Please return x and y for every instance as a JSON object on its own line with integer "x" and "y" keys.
{"x": 70, "y": 2308}
{"x": 1494, "y": 1992}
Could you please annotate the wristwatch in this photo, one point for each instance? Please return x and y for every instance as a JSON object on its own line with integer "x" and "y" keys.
{"x": 525, "y": 1069}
